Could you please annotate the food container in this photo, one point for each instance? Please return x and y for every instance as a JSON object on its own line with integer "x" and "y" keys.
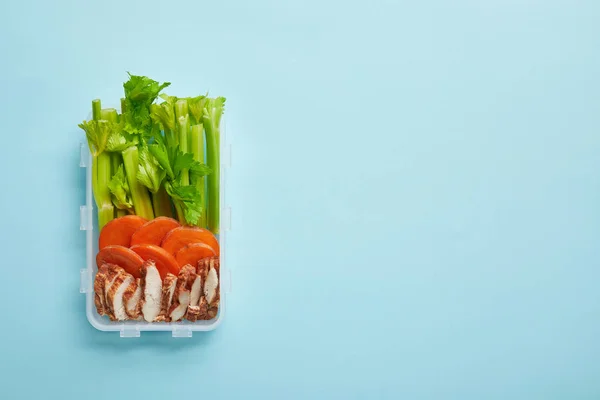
{"x": 132, "y": 329}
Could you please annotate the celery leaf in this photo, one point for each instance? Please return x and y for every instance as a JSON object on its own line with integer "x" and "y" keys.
{"x": 119, "y": 188}
{"x": 140, "y": 93}
{"x": 188, "y": 198}
{"x": 97, "y": 134}
{"x": 150, "y": 173}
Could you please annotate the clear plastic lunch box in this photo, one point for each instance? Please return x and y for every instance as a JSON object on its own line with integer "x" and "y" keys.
{"x": 132, "y": 329}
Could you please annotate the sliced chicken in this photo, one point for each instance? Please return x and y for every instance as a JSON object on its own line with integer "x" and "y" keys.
{"x": 151, "y": 291}
{"x": 207, "y": 311}
{"x": 193, "y": 313}
{"x": 196, "y": 290}
{"x": 111, "y": 277}
{"x": 205, "y": 264}
{"x": 208, "y": 306}
{"x": 195, "y": 293}
{"x": 181, "y": 299}
{"x": 132, "y": 299}
{"x": 168, "y": 290}
{"x": 211, "y": 286}
{"x": 115, "y": 296}
{"x": 99, "y": 282}
{"x": 107, "y": 273}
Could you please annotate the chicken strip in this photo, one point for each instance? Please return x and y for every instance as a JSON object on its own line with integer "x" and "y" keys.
{"x": 151, "y": 291}
{"x": 168, "y": 290}
{"x": 132, "y": 299}
{"x": 181, "y": 300}
{"x": 105, "y": 276}
{"x": 115, "y": 296}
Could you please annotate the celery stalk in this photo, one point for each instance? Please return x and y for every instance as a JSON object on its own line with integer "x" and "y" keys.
{"x": 211, "y": 120}
{"x": 139, "y": 194}
{"x": 120, "y": 213}
{"x": 115, "y": 161}
{"x": 197, "y": 147}
{"x": 101, "y": 168}
{"x": 106, "y": 210}
{"x": 183, "y": 146}
{"x": 213, "y": 161}
{"x": 162, "y": 203}
{"x": 171, "y": 138}
{"x": 164, "y": 116}
{"x": 96, "y": 110}
{"x": 180, "y": 213}
{"x": 110, "y": 114}
{"x": 151, "y": 175}
{"x": 181, "y": 108}
{"x": 183, "y": 120}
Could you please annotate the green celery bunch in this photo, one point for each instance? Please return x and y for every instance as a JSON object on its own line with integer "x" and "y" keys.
{"x": 175, "y": 164}
{"x": 140, "y": 93}
{"x": 154, "y": 157}
{"x": 183, "y": 166}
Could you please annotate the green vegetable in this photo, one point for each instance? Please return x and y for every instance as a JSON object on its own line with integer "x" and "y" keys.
{"x": 183, "y": 124}
{"x": 139, "y": 194}
{"x": 120, "y": 190}
{"x": 176, "y": 164}
{"x": 196, "y": 108}
{"x": 152, "y": 156}
{"x": 197, "y": 139}
{"x": 96, "y": 109}
{"x": 117, "y": 142}
{"x": 161, "y": 154}
{"x": 140, "y": 93}
{"x": 187, "y": 201}
{"x": 97, "y": 132}
{"x": 149, "y": 172}
{"x": 164, "y": 116}
{"x": 151, "y": 175}
{"x": 211, "y": 119}
{"x": 120, "y": 141}
{"x": 162, "y": 203}
{"x": 110, "y": 114}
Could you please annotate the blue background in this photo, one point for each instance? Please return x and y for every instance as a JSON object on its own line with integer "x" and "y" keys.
{"x": 415, "y": 194}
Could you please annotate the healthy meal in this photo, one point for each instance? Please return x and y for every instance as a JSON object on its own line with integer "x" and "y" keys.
{"x": 155, "y": 179}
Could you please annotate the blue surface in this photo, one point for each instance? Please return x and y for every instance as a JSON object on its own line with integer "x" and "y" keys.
{"x": 415, "y": 194}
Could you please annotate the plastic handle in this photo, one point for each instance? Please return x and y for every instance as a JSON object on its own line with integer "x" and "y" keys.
{"x": 83, "y": 281}
{"x": 83, "y": 155}
{"x": 130, "y": 332}
{"x": 181, "y": 332}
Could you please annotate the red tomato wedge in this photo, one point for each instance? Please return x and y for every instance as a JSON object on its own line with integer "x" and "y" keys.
{"x": 192, "y": 253}
{"x": 164, "y": 261}
{"x": 121, "y": 256}
{"x": 153, "y": 232}
{"x": 178, "y": 238}
{"x": 119, "y": 231}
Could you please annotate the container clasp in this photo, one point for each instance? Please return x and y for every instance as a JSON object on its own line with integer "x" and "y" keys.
{"x": 130, "y": 331}
{"x": 180, "y": 331}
